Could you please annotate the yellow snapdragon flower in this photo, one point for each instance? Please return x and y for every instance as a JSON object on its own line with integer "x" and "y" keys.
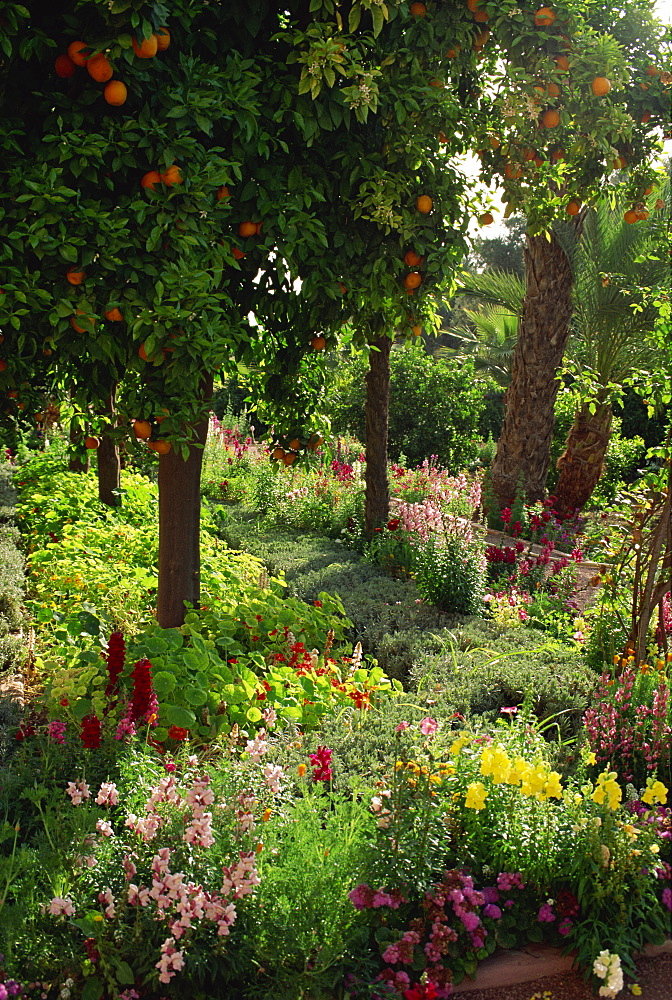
{"x": 476, "y": 796}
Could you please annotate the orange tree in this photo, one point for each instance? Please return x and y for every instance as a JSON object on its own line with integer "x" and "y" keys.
{"x": 580, "y": 104}
{"x": 167, "y": 172}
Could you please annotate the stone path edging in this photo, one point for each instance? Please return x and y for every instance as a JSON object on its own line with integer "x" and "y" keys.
{"x": 535, "y": 961}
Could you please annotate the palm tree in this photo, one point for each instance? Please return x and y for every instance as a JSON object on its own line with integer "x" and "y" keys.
{"x": 613, "y": 264}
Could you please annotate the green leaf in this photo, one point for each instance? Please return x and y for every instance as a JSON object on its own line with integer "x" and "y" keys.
{"x": 68, "y": 253}
{"x": 93, "y": 989}
{"x": 253, "y": 715}
{"x": 164, "y": 682}
{"x": 124, "y": 973}
{"x": 378, "y": 21}
{"x": 195, "y": 696}
{"x": 179, "y": 716}
{"x": 354, "y": 17}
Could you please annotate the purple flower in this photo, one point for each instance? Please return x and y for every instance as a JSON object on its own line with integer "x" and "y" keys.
{"x": 545, "y": 915}
{"x": 492, "y": 911}
{"x": 667, "y": 898}
{"x": 565, "y": 927}
{"x": 56, "y": 735}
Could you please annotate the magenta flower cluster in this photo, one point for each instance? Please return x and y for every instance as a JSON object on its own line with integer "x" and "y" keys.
{"x": 321, "y": 764}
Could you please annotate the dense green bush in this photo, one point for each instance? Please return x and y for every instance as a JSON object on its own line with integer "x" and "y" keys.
{"x": 435, "y": 407}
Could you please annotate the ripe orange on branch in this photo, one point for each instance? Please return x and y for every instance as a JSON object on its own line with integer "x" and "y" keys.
{"x": 247, "y": 228}
{"x": 413, "y": 259}
{"x": 418, "y": 9}
{"x": 64, "y": 67}
{"x": 76, "y": 54}
{"x": 424, "y": 204}
{"x": 413, "y": 280}
{"x": 150, "y": 179}
{"x": 486, "y": 219}
{"x": 550, "y": 118}
{"x": 114, "y": 315}
{"x": 173, "y": 175}
{"x": 600, "y": 86}
{"x": 91, "y": 442}
{"x": 3, "y": 365}
{"x": 75, "y": 276}
{"x": 100, "y": 68}
{"x": 544, "y": 17}
{"x": 161, "y": 447}
{"x": 148, "y": 48}
{"x": 631, "y": 216}
{"x": 115, "y": 93}
{"x": 223, "y": 192}
{"x": 142, "y": 429}
{"x": 162, "y": 39}
{"x": 318, "y": 344}
{"x": 573, "y": 207}
{"x": 278, "y": 454}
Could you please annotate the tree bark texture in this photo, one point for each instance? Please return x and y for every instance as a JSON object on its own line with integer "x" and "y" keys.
{"x": 179, "y": 527}
{"x": 109, "y": 465}
{"x": 377, "y": 410}
{"x": 524, "y": 447}
{"x": 79, "y": 460}
{"x": 582, "y": 461}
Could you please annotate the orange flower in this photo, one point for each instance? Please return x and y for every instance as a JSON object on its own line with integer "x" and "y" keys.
{"x": 301, "y": 770}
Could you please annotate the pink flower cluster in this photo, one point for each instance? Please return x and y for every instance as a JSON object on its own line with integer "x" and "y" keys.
{"x": 363, "y": 897}
{"x": 321, "y": 763}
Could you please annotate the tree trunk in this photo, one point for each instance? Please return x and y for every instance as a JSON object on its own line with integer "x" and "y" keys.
{"x": 79, "y": 460}
{"x": 377, "y": 410}
{"x": 524, "y": 447}
{"x": 179, "y": 527}
{"x": 109, "y": 466}
{"x": 582, "y": 461}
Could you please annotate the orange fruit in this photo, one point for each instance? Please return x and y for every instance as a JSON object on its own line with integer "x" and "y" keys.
{"x": 641, "y": 214}
{"x": 64, "y": 67}
{"x": 413, "y": 280}
{"x": 142, "y": 429}
{"x": 3, "y": 365}
{"x": 75, "y": 276}
{"x": 620, "y": 163}
{"x": 495, "y": 141}
{"x": 480, "y": 39}
{"x": 173, "y": 175}
{"x": 150, "y": 179}
{"x": 75, "y": 325}
{"x": 513, "y": 173}
{"x": 600, "y": 86}
{"x": 342, "y": 288}
{"x": 413, "y": 259}
{"x": 418, "y": 9}
{"x": 562, "y": 62}
{"x": 315, "y": 442}
{"x": 13, "y": 393}
{"x": 223, "y": 192}
{"x": 91, "y": 442}
{"x": 424, "y": 204}
{"x": 652, "y": 70}
{"x": 318, "y": 344}
{"x": 99, "y": 68}
{"x": 486, "y": 219}
{"x": 148, "y": 48}
{"x": 114, "y": 315}
{"x": 453, "y": 52}
{"x": 416, "y": 330}
{"x": 645, "y": 117}
{"x": 75, "y": 53}
{"x": 295, "y": 444}
{"x": 539, "y": 161}
{"x": 247, "y": 228}
{"x": 238, "y": 254}
{"x": 553, "y": 90}
{"x": 289, "y": 458}
{"x": 162, "y": 39}
{"x": 648, "y": 190}
{"x": 550, "y": 118}
{"x": 529, "y": 154}
{"x": 544, "y": 17}
{"x": 115, "y": 93}
{"x": 631, "y": 216}
{"x": 573, "y": 207}
{"x": 160, "y": 447}
{"x": 436, "y": 83}
{"x": 278, "y": 454}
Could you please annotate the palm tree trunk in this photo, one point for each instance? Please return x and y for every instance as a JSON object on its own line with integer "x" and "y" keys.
{"x": 524, "y": 447}
{"x": 377, "y": 410}
{"x": 582, "y": 461}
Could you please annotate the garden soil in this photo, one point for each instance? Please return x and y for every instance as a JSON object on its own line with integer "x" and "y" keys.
{"x": 654, "y": 980}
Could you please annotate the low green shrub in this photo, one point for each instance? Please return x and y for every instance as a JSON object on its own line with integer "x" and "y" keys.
{"x": 12, "y": 577}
